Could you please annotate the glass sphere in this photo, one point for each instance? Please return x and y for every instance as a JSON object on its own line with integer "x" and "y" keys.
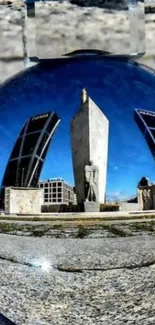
{"x": 117, "y": 85}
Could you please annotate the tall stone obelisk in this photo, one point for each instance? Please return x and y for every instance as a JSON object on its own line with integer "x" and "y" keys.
{"x": 89, "y": 141}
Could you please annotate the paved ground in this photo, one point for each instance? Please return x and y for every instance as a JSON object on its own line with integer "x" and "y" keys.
{"x": 29, "y": 295}
{"x": 76, "y": 222}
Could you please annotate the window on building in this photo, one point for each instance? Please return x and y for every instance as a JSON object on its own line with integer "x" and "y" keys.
{"x": 54, "y": 189}
{"x": 54, "y": 194}
{"x": 59, "y": 184}
{"x": 46, "y": 196}
{"x": 59, "y": 194}
{"x": 59, "y": 200}
{"x": 59, "y": 189}
{"x": 54, "y": 200}
{"x": 46, "y": 200}
{"x": 46, "y": 184}
{"x": 69, "y": 195}
{"x": 54, "y": 184}
{"x": 41, "y": 185}
{"x": 46, "y": 190}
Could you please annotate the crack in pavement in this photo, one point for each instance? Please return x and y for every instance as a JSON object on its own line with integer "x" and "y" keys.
{"x": 12, "y": 260}
{"x": 67, "y": 268}
{"x": 127, "y": 267}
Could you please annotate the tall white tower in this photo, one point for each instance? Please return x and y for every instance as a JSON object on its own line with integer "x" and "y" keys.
{"x": 89, "y": 141}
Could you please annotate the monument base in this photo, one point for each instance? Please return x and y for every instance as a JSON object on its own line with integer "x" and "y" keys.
{"x": 91, "y": 206}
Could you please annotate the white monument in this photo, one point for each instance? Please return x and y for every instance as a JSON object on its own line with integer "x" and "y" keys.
{"x": 89, "y": 140}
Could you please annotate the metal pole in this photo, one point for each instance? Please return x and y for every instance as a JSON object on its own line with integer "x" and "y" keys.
{"x": 22, "y": 180}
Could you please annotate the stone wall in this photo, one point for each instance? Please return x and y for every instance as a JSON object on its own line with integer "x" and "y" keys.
{"x": 125, "y": 206}
{"x": 23, "y": 200}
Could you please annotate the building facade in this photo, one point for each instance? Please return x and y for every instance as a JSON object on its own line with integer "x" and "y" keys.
{"x": 146, "y": 123}
{"x": 29, "y": 152}
{"x": 56, "y": 191}
{"x": 89, "y": 140}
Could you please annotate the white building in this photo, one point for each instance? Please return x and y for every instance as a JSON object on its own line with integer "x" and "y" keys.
{"x": 56, "y": 191}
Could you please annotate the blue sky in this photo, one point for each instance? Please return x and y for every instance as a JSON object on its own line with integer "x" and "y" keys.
{"x": 117, "y": 87}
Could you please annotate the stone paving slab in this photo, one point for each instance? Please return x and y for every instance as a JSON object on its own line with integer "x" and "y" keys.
{"x": 32, "y": 296}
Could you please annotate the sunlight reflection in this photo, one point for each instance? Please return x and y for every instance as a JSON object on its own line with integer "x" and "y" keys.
{"x": 45, "y": 265}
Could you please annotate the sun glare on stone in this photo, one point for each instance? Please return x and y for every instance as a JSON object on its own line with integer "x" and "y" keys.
{"x": 45, "y": 266}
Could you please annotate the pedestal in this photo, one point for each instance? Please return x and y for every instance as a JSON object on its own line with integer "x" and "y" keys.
{"x": 91, "y": 206}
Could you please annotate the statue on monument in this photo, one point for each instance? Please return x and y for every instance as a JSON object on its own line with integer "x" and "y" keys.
{"x": 84, "y": 96}
{"x": 145, "y": 194}
{"x": 147, "y": 199}
{"x": 91, "y": 182}
{"x": 144, "y": 182}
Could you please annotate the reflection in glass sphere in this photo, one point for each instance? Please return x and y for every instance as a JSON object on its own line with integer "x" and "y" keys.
{"x": 116, "y": 85}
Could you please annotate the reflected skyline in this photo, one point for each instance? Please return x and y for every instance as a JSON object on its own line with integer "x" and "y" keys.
{"x": 29, "y": 152}
{"x": 116, "y": 86}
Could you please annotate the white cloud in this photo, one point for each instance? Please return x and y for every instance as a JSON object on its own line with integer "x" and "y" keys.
{"x": 117, "y": 196}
